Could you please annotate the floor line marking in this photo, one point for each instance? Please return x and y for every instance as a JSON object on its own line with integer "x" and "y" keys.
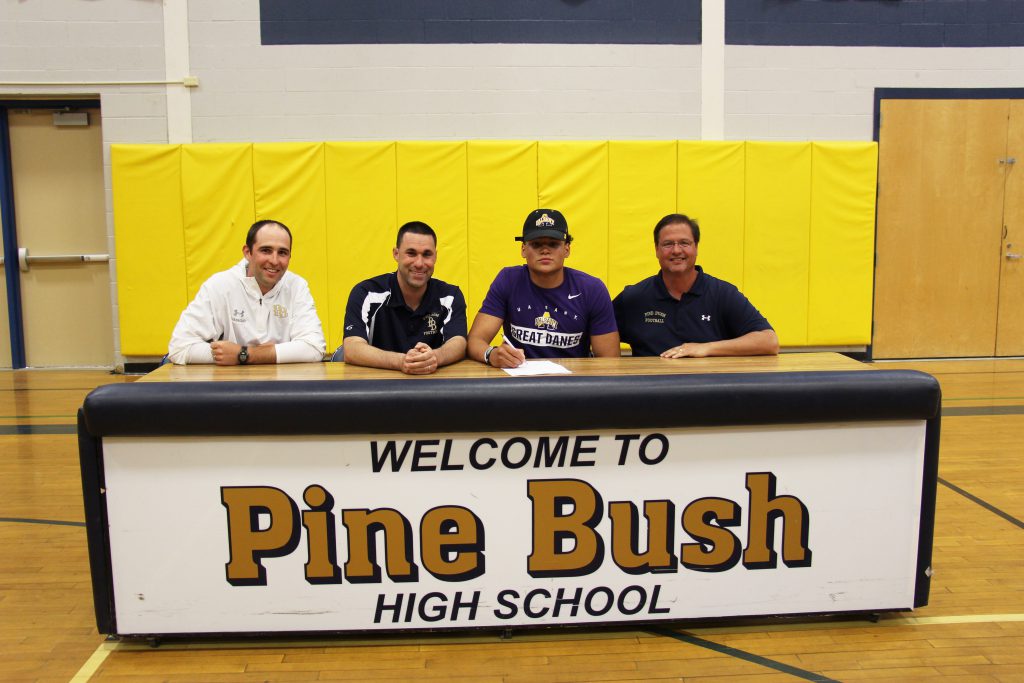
{"x": 988, "y": 506}
{"x": 744, "y": 655}
{"x": 25, "y": 390}
{"x": 29, "y": 430}
{"x": 23, "y": 416}
{"x": 963, "y": 619}
{"x": 981, "y": 411}
{"x": 93, "y": 663}
{"x": 885, "y": 620}
{"x": 26, "y": 520}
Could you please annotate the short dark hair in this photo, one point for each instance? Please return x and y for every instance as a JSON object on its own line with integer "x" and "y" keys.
{"x": 675, "y": 219}
{"x": 416, "y": 228}
{"x": 250, "y": 239}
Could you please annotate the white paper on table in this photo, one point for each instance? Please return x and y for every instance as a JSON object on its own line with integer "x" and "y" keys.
{"x": 538, "y": 367}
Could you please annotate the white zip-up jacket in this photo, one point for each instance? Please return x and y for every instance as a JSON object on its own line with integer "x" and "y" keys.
{"x": 230, "y": 306}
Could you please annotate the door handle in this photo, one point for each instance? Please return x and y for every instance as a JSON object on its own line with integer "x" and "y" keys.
{"x": 24, "y": 259}
{"x": 1014, "y": 257}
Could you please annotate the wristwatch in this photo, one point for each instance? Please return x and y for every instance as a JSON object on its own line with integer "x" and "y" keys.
{"x": 243, "y": 355}
{"x": 487, "y": 354}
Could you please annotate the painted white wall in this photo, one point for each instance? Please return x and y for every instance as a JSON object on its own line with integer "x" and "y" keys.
{"x": 827, "y": 93}
{"x": 432, "y": 92}
{"x": 250, "y": 92}
{"x": 73, "y": 47}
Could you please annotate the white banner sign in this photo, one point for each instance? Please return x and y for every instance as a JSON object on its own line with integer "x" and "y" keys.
{"x": 239, "y": 534}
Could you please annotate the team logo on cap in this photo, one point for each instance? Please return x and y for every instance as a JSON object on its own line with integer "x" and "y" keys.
{"x": 545, "y": 221}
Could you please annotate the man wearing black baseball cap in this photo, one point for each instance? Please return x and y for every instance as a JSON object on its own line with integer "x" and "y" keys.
{"x": 544, "y": 309}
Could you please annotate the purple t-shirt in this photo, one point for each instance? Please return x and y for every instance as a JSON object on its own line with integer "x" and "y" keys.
{"x": 550, "y": 323}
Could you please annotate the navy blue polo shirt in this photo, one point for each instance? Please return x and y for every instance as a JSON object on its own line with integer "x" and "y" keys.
{"x": 652, "y": 321}
{"x": 377, "y": 312}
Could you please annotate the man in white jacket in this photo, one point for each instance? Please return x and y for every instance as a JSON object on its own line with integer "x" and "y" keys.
{"x": 255, "y": 312}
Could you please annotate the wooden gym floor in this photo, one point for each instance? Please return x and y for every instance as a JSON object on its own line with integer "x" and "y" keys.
{"x": 972, "y": 630}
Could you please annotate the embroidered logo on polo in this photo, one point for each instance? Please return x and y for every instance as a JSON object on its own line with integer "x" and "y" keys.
{"x": 431, "y": 323}
{"x": 655, "y": 317}
{"x": 705, "y": 317}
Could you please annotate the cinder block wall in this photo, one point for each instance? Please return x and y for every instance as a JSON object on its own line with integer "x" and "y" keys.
{"x": 791, "y": 69}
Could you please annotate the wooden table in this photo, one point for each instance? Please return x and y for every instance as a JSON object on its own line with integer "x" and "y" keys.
{"x": 789, "y": 362}
{"x": 325, "y": 497}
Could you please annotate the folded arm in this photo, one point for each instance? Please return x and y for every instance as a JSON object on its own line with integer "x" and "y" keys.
{"x": 759, "y": 343}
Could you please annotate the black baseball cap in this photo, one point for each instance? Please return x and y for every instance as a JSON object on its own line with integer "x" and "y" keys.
{"x": 545, "y": 223}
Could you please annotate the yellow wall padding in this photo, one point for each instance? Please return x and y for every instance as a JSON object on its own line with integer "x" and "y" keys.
{"x": 502, "y": 180}
{"x": 712, "y": 178}
{"x": 573, "y": 178}
{"x": 288, "y": 181}
{"x": 641, "y": 189}
{"x": 361, "y": 189}
{"x": 432, "y": 189}
{"x": 791, "y": 224}
{"x": 217, "y": 207}
{"x": 149, "y": 245}
{"x": 841, "y": 259}
{"x": 777, "y": 235}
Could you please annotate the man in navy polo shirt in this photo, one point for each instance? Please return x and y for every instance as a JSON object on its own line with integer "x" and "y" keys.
{"x": 684, "y": 312}
{"x": 406, "y": 320}
{"x": 544, "y": 309}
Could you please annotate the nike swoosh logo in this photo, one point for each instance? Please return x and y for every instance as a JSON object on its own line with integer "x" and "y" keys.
{"x": 573, "y": 296}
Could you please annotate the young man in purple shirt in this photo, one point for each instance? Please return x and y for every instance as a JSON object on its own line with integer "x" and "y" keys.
{"x": 544, "y": 309}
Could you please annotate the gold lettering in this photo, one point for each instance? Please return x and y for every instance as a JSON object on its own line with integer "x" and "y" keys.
{"x": 322, "y": 565}
{"x": 452, "y": 530}
{"x": 764, "y": 509}
{"x": 626, "y": 536}
{"x": 362, "y": 526}
{"x": 247, "y": 542}
{"x": 553, "y": 528}
{"x": 717, "y": 548}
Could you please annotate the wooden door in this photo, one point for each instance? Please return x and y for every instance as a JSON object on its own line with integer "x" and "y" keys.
{"x": 59, "y": 207}
{"x": 1010, "y": 330}
{"x": 940, "y": 210}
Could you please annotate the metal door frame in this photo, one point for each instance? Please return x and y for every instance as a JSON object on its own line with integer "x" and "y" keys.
{"x": 15, "y": 319}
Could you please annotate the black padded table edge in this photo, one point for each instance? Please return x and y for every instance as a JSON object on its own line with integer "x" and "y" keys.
{"x": 276, "y": 407}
